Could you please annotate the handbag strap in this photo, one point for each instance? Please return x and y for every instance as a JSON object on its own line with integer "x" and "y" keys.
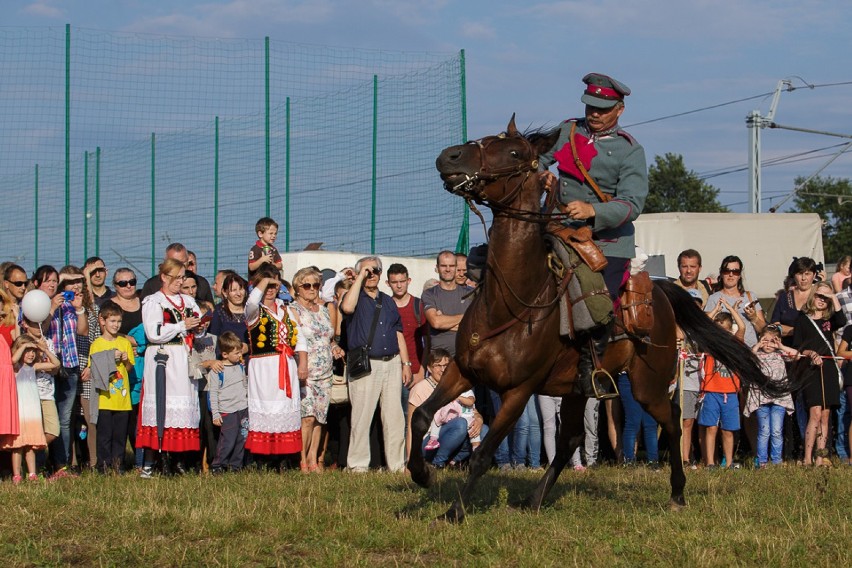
{"x": 601, "y": 195}
{"x": 827, "y": 344}
{"x": 375, "y": 321}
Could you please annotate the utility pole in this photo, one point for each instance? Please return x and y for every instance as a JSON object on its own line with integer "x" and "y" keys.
{"x": 754, "y": 123}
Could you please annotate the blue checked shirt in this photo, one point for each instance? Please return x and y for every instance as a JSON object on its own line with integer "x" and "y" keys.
{"x": 65, "y": 339}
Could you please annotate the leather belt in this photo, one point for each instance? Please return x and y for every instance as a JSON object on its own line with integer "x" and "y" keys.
{"x": 385, "y": 358}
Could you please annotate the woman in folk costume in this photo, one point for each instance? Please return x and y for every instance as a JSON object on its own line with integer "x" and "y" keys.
{"x": 273, "y": 383}
{"x": 169, "y": 319}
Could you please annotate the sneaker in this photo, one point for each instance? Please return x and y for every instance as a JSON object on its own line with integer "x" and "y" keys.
{"x": 505, "y": 467}
{"x": 32, "y": 477}
{"x": 16, "y": 480}
{"x": 432, "y": 444}
{"x": 579, "y": 467}
{"x": 62, "y": 474}
{"x": 147, "y": 472}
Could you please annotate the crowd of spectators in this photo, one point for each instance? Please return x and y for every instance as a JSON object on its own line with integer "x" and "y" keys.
{"x": 177, "y": 375}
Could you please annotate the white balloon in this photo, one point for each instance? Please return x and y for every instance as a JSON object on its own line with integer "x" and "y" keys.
{"x": 36, "y": 306}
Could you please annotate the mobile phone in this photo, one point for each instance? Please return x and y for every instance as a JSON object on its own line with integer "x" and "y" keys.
{"x": 68, "y": 295}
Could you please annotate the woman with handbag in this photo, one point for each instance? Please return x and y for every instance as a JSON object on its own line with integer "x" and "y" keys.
{"x": 273, "y": 384}
{"x": 315, "y": 367}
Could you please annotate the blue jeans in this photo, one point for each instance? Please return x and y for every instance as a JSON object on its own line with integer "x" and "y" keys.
{"x": 501, "y": 456}
{"x": 455, "y": 445}
{"x": 770, "y": 435}
{"x": 841, "y": 438}
{"x": 527, "y": 436}
{"x": 634, "y": 418}
{"x": 65, "y": 395}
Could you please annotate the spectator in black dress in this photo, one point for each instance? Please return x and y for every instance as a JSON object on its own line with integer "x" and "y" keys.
{"x": 813, "y": 336}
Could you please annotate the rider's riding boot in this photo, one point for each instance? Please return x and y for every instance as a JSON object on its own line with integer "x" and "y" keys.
{"x": 595, "y": 382}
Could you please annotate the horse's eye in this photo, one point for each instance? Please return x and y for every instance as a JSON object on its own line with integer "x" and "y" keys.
{"x": 514, "y": 154}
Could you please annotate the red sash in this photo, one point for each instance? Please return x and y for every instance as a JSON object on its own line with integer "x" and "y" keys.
{"x": 284, "y": 351}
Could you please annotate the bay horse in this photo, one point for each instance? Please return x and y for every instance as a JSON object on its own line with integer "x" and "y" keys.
{"x": 509, "y": 337}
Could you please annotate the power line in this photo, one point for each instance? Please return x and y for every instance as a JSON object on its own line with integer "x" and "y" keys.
{"x": 779, "y": 161}
{"x": 702, "y": 109}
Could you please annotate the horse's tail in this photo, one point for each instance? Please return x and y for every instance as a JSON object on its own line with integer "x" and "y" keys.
{"x": 709, "y": 337}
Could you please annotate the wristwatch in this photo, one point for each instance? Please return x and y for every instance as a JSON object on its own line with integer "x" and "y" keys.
{"x": 407, "y": 363}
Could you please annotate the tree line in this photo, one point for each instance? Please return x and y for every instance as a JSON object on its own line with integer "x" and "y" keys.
{"x": 674, "y": 188}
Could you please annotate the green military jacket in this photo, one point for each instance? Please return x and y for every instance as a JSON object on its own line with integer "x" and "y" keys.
{"x": 619, "y": 169}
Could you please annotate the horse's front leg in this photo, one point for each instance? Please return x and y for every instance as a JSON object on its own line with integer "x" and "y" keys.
{"x": 667, "y": 414}
{"x": 570, "y": 435}
{"x": 452, "y": 384}
{"x": 514, "y": 402}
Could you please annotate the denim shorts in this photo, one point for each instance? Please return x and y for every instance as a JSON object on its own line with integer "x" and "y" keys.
{"x": 720, "y": 408}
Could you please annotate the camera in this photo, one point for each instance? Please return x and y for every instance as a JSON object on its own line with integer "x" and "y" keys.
{"x": 820, "y": 267}
{"x": 68, "y": 295}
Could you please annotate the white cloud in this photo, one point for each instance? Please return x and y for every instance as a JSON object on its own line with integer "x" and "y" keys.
{"x": 43, "y": 9}
{"x": 231, "y": 18}
{"x": 478, "y": 30}
{"x": 718, "y": 21}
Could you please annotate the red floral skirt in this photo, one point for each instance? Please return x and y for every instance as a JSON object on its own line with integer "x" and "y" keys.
{"x": 265, "y": 443}
{"x": 174, "y": 439}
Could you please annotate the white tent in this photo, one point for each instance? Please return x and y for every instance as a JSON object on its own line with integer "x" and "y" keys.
{"x": 766, "y": 242}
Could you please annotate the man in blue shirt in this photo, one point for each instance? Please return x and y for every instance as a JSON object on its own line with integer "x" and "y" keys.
{"x": 389, "y": 362}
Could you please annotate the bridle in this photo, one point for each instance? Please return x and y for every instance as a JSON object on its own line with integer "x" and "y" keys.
{"x": 472, "y": 187}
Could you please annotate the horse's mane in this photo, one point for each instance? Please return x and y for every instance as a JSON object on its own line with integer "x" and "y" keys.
{"x": 535, "y": 135}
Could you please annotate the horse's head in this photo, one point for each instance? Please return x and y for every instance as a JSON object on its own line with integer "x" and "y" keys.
{"x": 482, "y": 169}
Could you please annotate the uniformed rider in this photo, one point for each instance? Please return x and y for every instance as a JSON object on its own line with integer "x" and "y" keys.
{"x": 602, "y": 183}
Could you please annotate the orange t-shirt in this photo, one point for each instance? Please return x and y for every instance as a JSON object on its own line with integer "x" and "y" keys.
{"x": 717, "y": 378}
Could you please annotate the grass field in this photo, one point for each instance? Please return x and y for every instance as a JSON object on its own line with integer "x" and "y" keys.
{"x": 607, "y": 516}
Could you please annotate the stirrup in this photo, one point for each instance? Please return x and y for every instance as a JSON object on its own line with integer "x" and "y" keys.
{"x": 605, "y": 395}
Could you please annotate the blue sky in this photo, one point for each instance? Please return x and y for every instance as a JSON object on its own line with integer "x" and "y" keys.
{"x": 528, "y": 58}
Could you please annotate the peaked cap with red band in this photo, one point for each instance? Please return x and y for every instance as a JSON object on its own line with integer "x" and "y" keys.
{"x": 603, "y": 91}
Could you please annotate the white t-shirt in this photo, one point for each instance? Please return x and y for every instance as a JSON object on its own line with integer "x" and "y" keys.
{"x": 45, "y": 381}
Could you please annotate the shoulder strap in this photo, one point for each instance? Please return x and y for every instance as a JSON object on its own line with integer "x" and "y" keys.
{"x": 601, "y": 195}
{"x": 375, "y": 321}
{"x": 417, "y": 313}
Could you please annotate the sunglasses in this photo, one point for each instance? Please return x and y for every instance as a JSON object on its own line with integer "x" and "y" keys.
{"x": 97, "y": 270}
{"x": 306, "y": 286}
{"x": 734, "y": 271}
{"x": 123, "y": 283}
{"x": 822, "y": 297}
{"x": 376, "y": 271}
{"x": 17, "y": 284}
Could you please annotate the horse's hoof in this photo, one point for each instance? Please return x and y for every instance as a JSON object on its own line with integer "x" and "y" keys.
{"x": 453, "y": 515}
{"x": 532, "y": 504}
{"x": 677, "y": 504}
{"x": 424, "y": 478}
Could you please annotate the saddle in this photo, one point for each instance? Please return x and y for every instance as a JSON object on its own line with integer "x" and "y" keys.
{"x": 586, "y": 303}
